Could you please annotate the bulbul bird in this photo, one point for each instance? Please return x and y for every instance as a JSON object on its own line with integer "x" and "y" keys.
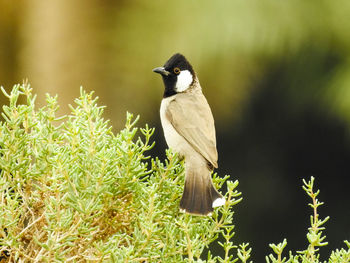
{"x": 189, "y": 130}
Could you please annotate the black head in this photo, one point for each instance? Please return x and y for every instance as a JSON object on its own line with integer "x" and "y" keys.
{"x": 178, "y": 75}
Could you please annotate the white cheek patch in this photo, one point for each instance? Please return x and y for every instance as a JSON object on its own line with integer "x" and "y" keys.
{"x": 184, "y": 80}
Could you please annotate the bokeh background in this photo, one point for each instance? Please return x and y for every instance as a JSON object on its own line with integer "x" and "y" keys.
{"x": 276, "y": 74}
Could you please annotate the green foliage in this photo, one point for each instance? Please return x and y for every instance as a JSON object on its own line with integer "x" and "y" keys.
{"x": 314, "y": 236}
{"x": 73, "y": 191}
{"x": 244, "y": 252}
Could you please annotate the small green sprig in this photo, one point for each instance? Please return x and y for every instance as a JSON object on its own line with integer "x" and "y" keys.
{"x": 278, "y": 249}
{"x": 341, "y": 255}
{"x": 315, "y": 235}
{"x": 244, "y": 252}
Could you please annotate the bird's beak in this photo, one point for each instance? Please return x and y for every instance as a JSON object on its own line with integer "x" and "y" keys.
{"x": 162, "y": 71}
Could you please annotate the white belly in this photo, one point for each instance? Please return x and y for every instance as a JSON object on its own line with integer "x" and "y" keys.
{"x": 174, "y": 140}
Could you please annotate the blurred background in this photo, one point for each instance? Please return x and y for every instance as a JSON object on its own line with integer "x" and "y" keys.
{"x": 276, "y": 74}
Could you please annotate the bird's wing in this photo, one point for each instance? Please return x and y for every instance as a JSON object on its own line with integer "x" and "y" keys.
{"x": 191, "y": 117}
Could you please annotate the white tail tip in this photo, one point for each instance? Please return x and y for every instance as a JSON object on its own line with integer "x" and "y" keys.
{"x": 218, "y": 202}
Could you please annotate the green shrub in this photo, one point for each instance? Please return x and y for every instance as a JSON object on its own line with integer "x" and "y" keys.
{"x": 73, "y": 191}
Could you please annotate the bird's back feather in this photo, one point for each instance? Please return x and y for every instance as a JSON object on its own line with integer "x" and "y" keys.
{"x": 191, "y": 117}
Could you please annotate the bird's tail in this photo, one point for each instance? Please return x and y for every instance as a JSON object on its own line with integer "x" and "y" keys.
{"x": 200, "y": 196}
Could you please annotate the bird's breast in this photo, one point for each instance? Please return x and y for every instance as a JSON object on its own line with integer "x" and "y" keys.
{"x": 174, "y": 140}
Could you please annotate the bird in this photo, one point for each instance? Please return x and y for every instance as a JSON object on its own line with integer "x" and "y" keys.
{"x": 189, "y": 130}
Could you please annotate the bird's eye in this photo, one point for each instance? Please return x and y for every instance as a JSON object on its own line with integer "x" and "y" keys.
{"x": 177, "y": 70}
